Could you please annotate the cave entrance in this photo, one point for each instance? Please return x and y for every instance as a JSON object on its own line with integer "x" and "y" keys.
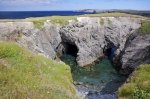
{"x": 71, "y": 49}
{"x": 110, "y": 52}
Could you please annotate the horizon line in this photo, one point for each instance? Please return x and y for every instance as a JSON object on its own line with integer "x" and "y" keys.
{"x": 79, "y": 10}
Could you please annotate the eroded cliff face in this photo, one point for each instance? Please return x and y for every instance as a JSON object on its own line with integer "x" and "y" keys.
{"x": 42, "y": 41}
{"x": 136, "y": 52}
{"x": 93, "y": 37}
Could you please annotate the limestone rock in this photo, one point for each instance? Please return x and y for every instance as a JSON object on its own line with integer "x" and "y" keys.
{"x": 136, "y": 52}
{"x": 90, "y": 36}
{"x": 42, "y": 41}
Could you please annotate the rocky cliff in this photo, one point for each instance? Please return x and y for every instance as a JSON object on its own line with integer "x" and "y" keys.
{"x": 136, "y": 51}
{"x": 92, "y": 37}
{"x": 42, "y": 41}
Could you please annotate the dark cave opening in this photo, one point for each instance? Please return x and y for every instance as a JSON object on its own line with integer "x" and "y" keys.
{"x": 110, "y": 52}
{"x": 71, "y": 49}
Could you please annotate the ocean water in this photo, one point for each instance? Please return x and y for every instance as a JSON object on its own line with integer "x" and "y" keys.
{"x": 27, "y": 14}
{"x": 99, "y": 81}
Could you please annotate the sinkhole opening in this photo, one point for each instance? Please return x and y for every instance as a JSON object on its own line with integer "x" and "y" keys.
{"x": 101, "y": 77}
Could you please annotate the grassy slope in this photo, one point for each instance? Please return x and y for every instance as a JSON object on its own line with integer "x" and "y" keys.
{"x": 27, "y": 76}
{"x": 138, "y": 85}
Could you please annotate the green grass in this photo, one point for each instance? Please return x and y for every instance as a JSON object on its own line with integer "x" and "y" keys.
{"x": 138, "y": 85}
{"x": 102, "y": 21}
{"x": 145, "y": 28}
{"x": 109, "y": 21}
{"x": 62, "y": 20}
{"x": 114, "y": 14}
{"x": 38, "y": 23}
{"x": 27, "y": 76}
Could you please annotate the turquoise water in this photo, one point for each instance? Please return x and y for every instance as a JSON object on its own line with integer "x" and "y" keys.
{"x": 102, "y": 72}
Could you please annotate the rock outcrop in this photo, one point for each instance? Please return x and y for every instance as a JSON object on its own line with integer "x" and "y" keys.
{"x": 136, "y": 52}
{"x": 92, "y": 37}
{"x": 42, "y": 41}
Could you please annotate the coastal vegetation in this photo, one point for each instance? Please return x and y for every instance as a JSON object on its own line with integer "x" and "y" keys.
{"x": 24, "y": 75}
{"x": 113, "y": 14}
{"x": 101, "y": 21}
{"x": 137, "y": 85}
{"x": 145, "y": 27}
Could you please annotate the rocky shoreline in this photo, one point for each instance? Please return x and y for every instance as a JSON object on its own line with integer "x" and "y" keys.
{"x": 88, "y": 39}
{"x": 91, "y": 36}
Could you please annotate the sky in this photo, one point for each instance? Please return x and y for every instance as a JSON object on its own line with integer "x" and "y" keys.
{"x": 47, "y": 5}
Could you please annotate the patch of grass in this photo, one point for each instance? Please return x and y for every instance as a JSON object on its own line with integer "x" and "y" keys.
{"x": 101, "y": 21}
{"x": 27, "y": 76}
{"x": 114, "y": 14}
{"x": 63, "y": 20}
{"x": 8, "y": 50}
{"x": 145, "y": 28}
{"x": 38, "y": 23}
{"x": 109, "y": 21}
{"x": 138, "y": 85}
